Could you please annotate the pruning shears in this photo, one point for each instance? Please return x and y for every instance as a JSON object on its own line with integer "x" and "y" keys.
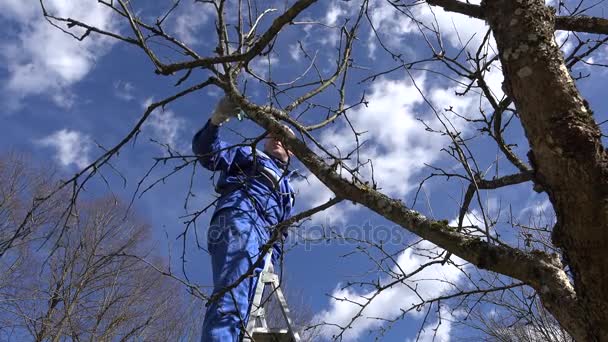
{"x": 241, "y": 115}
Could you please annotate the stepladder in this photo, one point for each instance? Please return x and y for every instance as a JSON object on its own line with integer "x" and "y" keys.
{"x": 268, "y": 288}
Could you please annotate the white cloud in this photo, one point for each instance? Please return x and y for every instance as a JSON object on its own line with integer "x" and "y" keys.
{"x": 437, "y": 331}
{"x": 388, "y": 22}
{"x": 394, "y": 27}
{"x": 72, "y": 147}
{"x": 564, "y": 40}
{"x": 457, "y": 28}
{"x": 164, "y": 126}
{"x": 263, "y": 66}
{"x": 333, "y": 18}
{"x": 188, "y": 20}
{"x": 333, "y": 14}
{"x": 397, "y": 143}
{"x": 537, "y": 209}
{"x": 433, "y": 281}
{"x": 389, "y": 303}
{"x": 295, "y": 52}
{"x": 124, "y": 90}
{"x": 310, "y": 193}
{"x": 396, "y": 30}
{"x": 41, "y": 59}
{"x": 391, "y": 24}
{"x": 65, "y": 99}
{"x": 18, "y": 8}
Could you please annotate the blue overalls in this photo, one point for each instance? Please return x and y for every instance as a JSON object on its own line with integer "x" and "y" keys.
{"x": 255, "y": 195}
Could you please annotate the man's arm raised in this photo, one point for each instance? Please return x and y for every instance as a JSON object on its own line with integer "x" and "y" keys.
{"x": 213, "y": 153}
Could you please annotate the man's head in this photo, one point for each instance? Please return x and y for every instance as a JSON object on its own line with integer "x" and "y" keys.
{"x": 275, "y": 147}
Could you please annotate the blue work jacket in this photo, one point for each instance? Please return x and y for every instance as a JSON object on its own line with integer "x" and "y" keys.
{"x": 247, "y": 180}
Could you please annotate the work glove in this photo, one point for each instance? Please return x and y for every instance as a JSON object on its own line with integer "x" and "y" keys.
{"x": 224, "y": 110}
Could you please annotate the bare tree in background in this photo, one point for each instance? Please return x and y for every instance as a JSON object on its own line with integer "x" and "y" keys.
{"x": 94, "y": 285}
{"x": 520, "y": 317}
{"x": 566, "y": 157}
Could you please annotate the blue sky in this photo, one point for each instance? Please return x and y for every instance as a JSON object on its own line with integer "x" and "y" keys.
{"x": 62, "y": 98}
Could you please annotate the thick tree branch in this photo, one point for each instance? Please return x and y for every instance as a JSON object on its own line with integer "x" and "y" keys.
{"x": 503, "y": 181}
{"x": 582, "y": 24}
{"x": 471, "y": 10}
{"x": 256, "y": 49}
{"x": 564, "y": 23}
{"x": 484, "y": 184}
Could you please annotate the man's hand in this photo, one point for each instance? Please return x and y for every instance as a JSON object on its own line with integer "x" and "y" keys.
{"x": 224, "y": 110}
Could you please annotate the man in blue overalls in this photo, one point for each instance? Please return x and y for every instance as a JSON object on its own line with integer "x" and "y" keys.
{"x": 255, "y": 195}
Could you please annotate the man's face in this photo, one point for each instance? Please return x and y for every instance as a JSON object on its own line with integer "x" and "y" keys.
{"x": 274, "y": 147}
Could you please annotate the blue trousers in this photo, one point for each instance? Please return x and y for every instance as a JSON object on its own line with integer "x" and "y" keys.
{"x": 234, "y": 239}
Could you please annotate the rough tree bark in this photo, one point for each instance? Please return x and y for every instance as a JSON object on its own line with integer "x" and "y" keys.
{"x": 568, "y": 157}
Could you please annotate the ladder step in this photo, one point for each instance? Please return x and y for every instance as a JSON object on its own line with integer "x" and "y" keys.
{"x": 271, "y": 335}
{"x": 268, "y": 277}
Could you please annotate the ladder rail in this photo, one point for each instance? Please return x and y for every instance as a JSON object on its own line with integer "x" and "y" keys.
{"x": 283, "y": 304}
{"x": 257, "y": 310}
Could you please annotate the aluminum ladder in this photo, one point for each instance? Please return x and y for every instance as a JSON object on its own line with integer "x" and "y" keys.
{"x": 257, "y": 327}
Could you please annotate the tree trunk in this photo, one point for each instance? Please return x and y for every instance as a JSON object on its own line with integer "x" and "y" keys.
{"x": 567, "y": 154}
